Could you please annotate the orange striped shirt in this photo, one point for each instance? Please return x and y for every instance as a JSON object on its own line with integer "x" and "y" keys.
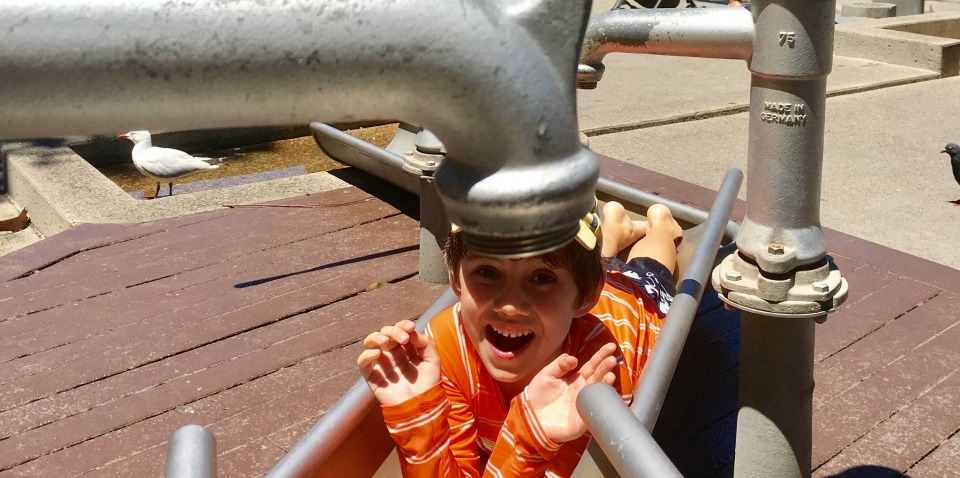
{"x": 465, "y": 427}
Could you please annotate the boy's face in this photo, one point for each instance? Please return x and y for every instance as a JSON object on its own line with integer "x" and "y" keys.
{"x": 517, "y": 313}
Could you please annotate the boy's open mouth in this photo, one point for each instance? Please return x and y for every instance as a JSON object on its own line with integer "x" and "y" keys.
{"x": 505, "y": 341}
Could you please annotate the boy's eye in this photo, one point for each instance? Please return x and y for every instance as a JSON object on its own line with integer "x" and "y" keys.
{"x": 543, "y": 278}
{"x": 486, "y": 272}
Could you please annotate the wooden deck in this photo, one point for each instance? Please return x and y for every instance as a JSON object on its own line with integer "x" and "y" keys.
{"x": 247, "y": 320}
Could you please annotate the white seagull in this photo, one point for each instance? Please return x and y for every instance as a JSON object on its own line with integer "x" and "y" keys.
{"x": 164, "y": 165}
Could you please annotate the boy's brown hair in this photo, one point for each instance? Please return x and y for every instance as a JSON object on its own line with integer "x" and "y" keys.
{"x": 586, "y": 266}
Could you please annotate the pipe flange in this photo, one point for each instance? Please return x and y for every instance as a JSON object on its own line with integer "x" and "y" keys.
{"x": 421, "y": 164}
{"x": 813, "y": 291}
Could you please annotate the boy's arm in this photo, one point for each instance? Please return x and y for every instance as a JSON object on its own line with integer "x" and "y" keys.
{"x": 402, "y": 369}
{"x": 544, "y": 417}
{"x": 423, "y": 436}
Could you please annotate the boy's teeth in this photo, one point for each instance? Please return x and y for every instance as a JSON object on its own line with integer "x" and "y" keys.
{"x": 512, "y": 334}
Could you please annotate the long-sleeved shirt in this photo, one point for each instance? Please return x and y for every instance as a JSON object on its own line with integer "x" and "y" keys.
{"x": 464, "y": 426}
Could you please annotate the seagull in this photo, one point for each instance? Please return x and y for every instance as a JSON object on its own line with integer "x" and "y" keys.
{"x": 164, "y": 165}
{"x": 953, "y": 149}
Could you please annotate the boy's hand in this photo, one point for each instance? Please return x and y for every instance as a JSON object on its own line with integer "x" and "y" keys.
{"x": 399, "y": 363}
{"x": 553, "y": 392}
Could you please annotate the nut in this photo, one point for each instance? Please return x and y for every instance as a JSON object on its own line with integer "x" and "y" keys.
{"x": 775, "y": 248}
{"x": 733, "y": 275}
{"x": 821, "y": 286}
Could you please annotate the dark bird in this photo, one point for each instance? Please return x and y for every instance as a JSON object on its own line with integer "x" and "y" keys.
{"x": 953, "y": 149}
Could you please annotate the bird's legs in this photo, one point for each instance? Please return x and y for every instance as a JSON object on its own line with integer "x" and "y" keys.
{"x": 156, "y": 193}
{"x": 170, "y": 190}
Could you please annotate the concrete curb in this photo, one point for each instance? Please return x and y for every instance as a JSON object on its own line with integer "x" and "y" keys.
{"x": 61, "y": 190}
{"x": 930, "y": 41}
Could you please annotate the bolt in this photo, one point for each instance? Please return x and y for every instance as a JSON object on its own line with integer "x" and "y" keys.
{"x": 408, "y": 153}
{"x": 733, "y": 275}
{"x": 775, "y": 248}
{"x": 821, "y": 286}
{"x": 431, "y": 163}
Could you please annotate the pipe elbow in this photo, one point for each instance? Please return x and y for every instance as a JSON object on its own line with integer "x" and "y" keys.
{"x": 491, "y": 79}
{"x": 726, "y": 33}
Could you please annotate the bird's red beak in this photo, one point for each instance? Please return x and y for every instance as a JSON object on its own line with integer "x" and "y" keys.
{"x": 121, "y": 136}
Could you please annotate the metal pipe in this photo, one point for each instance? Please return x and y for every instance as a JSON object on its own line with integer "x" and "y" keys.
{"x": 774, "y": 431}
{"x": 367, "y": 157}
{"x": 501, "y": 99}
{"x": 371, "y": 159}
{"x": 658, "y": 372}
{"x": 434, "y": 229}
{"x": 191, "y": 453}
{"x": 780, "y": 277}
{"x": 623, "y": 439}
{"x": 681, "y": 211}
{"x": 319, "y": 443}
{"x": 708, "y": 33}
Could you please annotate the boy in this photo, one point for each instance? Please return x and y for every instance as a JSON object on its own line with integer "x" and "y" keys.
{"x": 497, "y": 393}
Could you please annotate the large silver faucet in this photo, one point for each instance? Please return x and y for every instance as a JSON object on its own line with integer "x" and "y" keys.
{"x": 493, "y": 80}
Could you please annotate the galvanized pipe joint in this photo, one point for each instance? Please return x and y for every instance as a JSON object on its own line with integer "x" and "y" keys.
{"x": 782, "y": 268}
{"x": 492, "y": 80}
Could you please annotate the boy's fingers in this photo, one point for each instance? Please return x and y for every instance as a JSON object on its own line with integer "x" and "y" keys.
{"x": 373, "y": 340}
{"x": 561, "y": 366}
{"x": 367, "y": 357}
{"x": 396, "y": 334}
{"x": 596, "y": 362}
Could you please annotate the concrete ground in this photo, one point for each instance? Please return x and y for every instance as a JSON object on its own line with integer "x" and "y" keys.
{"x": 884, "y": 178}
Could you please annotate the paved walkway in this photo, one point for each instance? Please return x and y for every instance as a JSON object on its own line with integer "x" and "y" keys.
{"x": 884, "y": 178}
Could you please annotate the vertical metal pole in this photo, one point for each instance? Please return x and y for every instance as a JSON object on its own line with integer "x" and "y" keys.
{"x": 781, "y": 277}
{"x": 423, "y": 162}
{"x": 434, "y": 228}
{"x": 191, "y": 453}
{"x": 776, "y": 397}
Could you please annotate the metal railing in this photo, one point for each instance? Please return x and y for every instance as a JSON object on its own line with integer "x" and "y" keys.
{"x": 658, "y": 372}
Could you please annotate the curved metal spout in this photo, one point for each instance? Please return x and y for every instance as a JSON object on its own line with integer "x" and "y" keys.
{"x": 493, "y": 80}
{"x": 708, "y": 33}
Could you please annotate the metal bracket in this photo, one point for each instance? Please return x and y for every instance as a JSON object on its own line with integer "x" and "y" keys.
{"x": 811, "y": 292}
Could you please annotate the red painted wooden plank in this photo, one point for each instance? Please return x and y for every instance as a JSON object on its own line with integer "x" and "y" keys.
{"x": 51, "y": 250}
{"x": 855, "y": 363}
{"x": 124, "y": 451}
{"x": 252, "y": 460}
{"x": 162, "y": 254}
{"x": 63, "y": 324}
{"x": 317, "y": 331}
{"x": 854, "y": 321}
{"x": 98, "y": 358}
{"x": 897, "y": 262}
{"x": 224, "y": 297}
{"x": 941, "y": 462}
{"x": 841, "y": 420}
{"x": 907, "y": 436}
